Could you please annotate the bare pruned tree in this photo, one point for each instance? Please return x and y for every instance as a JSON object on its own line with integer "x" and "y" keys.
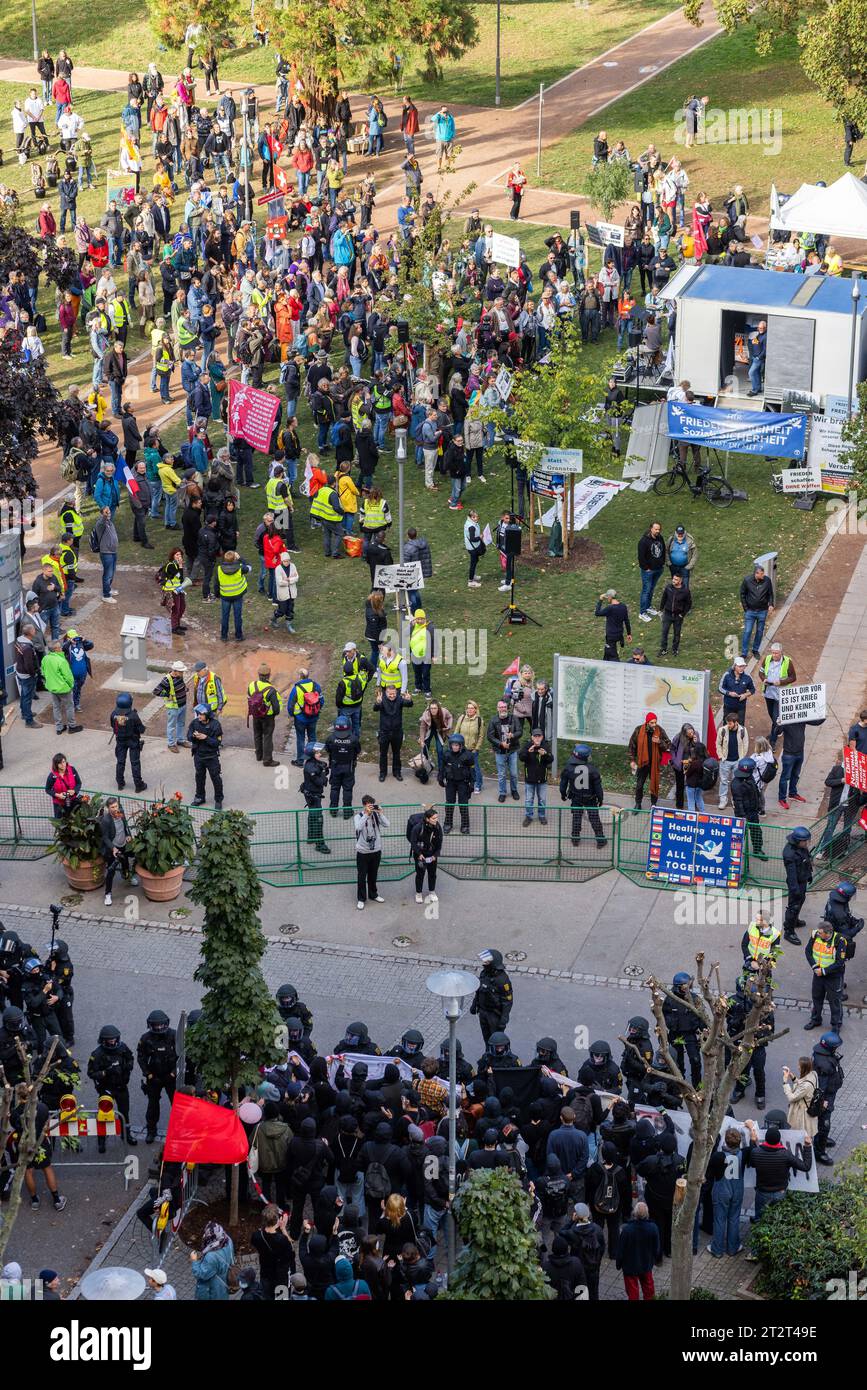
{"x": 21, "y": 1097}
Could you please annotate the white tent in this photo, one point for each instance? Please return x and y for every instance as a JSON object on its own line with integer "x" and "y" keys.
{"x": 839, "y": 211}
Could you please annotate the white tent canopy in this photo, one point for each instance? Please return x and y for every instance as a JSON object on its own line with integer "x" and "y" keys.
{"x": 839, "y": 211}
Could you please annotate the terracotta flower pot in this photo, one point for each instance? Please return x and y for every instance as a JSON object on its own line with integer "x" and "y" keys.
{"x": 83, "y": 879}
{"x": 161, "y": 888}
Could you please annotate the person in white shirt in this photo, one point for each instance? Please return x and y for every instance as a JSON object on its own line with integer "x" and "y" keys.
{"x": 34, "y": 109}
{"x": 158, "y": 1281}
{"x": 70, "y": 127}
{"x": 19, "y": 124}
{"x": 677, "y": 393}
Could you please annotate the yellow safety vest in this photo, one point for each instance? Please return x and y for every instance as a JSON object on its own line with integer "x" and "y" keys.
{"x": 824, "y": 952}
{"x": 373, "y": 517}
{"x": 211, "y": 696}
{"x": 172, "y": 701}
{"x": 231, "y": 585}
{"x": 299, "y": 695}
{"x": 273, "y": 499}
{"x": 761, "y": 947}
{"x": 419, "y": 642}
{"x": 171, "y": 581}
{"x": 165, "y": 361}
{"x": 69, "y": 559}
{"x": 266, "y": 685}
{"x": 58, "y": 570}
{"x": 389, "y": 672}
{"x": 784, "y": 666}
{"x": 72, "y": 521}
{"x": 322, "y": 507}
{"x": 358, "y": 674}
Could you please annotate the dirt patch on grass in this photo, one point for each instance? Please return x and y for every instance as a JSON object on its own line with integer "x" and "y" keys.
{"x": 583, "y": 554}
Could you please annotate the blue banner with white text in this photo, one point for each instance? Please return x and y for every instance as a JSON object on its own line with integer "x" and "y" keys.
{"x": 739, "y": 431}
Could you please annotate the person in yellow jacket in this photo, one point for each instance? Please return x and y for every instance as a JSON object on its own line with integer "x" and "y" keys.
{"x": 99, "y": 403}
{"x": 391, "y": 669}
{"x": 348, "y": 492}
{"x": 263, "y": 706}
{"x": 171, "y": 481}
{"x": 375, "y": 513}
{"x": 326, "y": 508}
{"x": 208, "y": 688}
{"x": 421, "y": 636}
{"x": 231, "y": 575}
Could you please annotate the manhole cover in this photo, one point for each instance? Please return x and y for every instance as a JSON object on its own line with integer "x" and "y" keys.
{"x": 401, "y": 941}
{"x": 72, "y": 900}
{"x": 633, "y": 971}
{"x": 178, "y": 914}
{"x": 289, "y": 928}
{"x": 515, "y": 956}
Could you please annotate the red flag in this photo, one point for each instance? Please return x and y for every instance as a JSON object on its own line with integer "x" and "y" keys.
{"x": 252, "y": 414}
{"x": 130, "y": 480}
{"x": 200, "y": 1132}
{"x": 710, "y": 741}
{"x": 513, "y": 669}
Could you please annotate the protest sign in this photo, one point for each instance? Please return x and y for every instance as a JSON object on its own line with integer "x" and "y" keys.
{"x": 741, "y": 431}
{"x": 808, "y": 479}
{"x": 799, "y": 702}
{"x": 252, "y": 414}
{"x": 855, "y": 769}
{"x": 394, "y": 577}
{"x": 691, "y": 847}
{"x": 506, "y": 250}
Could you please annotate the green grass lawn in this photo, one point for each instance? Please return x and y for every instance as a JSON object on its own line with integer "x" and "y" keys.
{"x": 540, "y": 41}
{"x": 728, "y": 71}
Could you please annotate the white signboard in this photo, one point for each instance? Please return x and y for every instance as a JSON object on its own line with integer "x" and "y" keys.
{"x": 394, "y": 577}
{"x": 610, "y": 234}
{"x": 604, "y": 701}
{"x": 837, "y": 408}
{"x": 564, "y": 460}
{"x": 589, "y": 496}
{"x": 826, "y": 442}
{"x": 799, "y": 702}
{"x": 802, "y": 479}
{"x": 505, "y": 250}
{"x": 503, "y": 383}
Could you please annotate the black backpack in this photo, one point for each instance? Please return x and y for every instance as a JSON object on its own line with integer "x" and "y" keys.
{"x": 814, "y": 1107}
{"x": 608, "y": 1198}
{"x": 414, "y": 821}
{"x": 556, "y": 1197}
{"x": 709, "y": 774}
{"x": 377, "y": 1183}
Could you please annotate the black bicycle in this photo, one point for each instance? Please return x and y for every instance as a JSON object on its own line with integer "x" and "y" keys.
{"x": 712, "y": 486}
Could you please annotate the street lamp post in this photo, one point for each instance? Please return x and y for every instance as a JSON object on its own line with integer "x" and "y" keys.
{"x": 453, "y": 987}
{"x": 35, "y": 39}
{"x": 856, "y": 296}
{"x": 497, "y": 80}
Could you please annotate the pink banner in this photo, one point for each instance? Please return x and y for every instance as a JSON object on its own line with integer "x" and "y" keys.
{"x": 252, "y": 414}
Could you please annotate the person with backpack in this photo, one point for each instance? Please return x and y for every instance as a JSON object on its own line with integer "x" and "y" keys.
{"x": 304, "y": 705}
{"x": 553, "y": 1189}
{"x": 75, "y": 649}
{"x": 587, "y": 1240}
{"x": 263, "y": 706}
{"x": 660, "y": 1172}
{"x": 425, "y": 836}
{"x": 306, "y": 1162}
{"x": 346, "y": 1287}
{"x": 564, "y": 1270}
{"x": 385, "y": 1171}
{"x": 609, "y": 1193}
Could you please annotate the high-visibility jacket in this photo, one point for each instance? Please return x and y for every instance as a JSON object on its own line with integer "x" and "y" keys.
{"x": 69, "y": 561}
{"x": 784, "y": 666}
{"x": 172, "y": 577}
{"x": 273, "y": 701}
{"x": 300, "y": 687}
{"x": 373, "y": 517}
{"x": 209, "y": 691}
{"x": 419, "y": 642}
{"x": 352, "y": 684}
{"x": 322, "y": 506}
{"x": 762, "y": 947}
{"x": 824, "y": 953}
{"x": 173, "y": 684}
{"x": 164, "y": 361}
{"x": 390, "y": 672}
{"x": 119, "y": 312}
{"x": 381, "y": 399}
{"x": 274, "y": 500}
{"x": 186, "y": 336}
{"x": 73, "y": 522}
{"x": 57, "y": 567}
{"x": 231, "y": 585}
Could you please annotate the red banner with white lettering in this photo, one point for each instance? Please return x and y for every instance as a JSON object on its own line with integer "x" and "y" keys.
{"x": 855, "y": 769}
{"x": 252, "y": 414}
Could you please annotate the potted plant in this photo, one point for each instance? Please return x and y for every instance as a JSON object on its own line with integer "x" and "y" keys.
{"x": 78, "y": 844}
{"x": 163, "y": 844}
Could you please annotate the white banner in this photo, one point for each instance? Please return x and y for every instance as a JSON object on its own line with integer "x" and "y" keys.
{"x": 802, "y": 479}
{"x": 604, "y": 701}
{"x": 590, "y": 495}
{"x": 503, "y": 383}
{"x": 394, "y": 577}
{"x": 375, "y": 1067}
{"x": 799, "y": 702}
{"x": 505, "y": 250}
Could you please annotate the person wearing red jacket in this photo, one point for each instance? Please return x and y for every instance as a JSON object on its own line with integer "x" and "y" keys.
{"x": 67, "y": 313}
{"x": 61, "y": 95}
{"x": 516, "y": 183}
{"x": 98, "y": 249}
{"x": 47, "y": 224}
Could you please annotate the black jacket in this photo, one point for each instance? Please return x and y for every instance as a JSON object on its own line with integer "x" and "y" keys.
{"x": 679, "y": 1018}
{"x": 458, "y": 768}
{"x": 616, "y": 617}
{"x": 536, "y": 762}
{"x": 513, "y": 724}
{"x": 651, "y": 552}
{"x": 108, "y": 1067}
{"x": 391, "y": 716}
{"x": 745, "y": 796}
{"x": 798, "y": 865}
{"x": 127, "y": 727}
{"x": 427, "y": 840}
{"x": 315, "y": 777}
{"x": 565, "y": 1273}
{"x": 209, "y": 746}
{"x": 572, "y": 779}
{"x": 774, "y": 1165}
{"x": 157, "y": 1053}
{"x": 756, "y": 593}
{"x": 343, "y": 748}
{"x": 676, "y": 601}
{"x": 638, "y": 1247}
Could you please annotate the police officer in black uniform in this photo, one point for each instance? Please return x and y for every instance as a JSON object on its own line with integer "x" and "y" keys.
{"x": 547, "y": 1055}
{"x": 15, "y": 1028}
{"x": 458, "y": 771}
{"x": 205, "y": 736}
{"x": 313, "y": 790}
{"x": 581, "y": 786}
{"x": 600, "y": 1069}
{"x": 158, "y": 1059}
{"x": 838, "y": 912}
{"x": 357, "y": 1039}
{"x": 290, "y": 1006}
{"x": 463, "y": 1069}
{"x": 410, "y": 1048}
{"x": 110, "y": 1068}
{"x": 498, "y": 1054}
{"x": 59, "y": 968}
{"x": 343, "y": 748}
{"x": 740, "y": 1007}
{"x": 634, "y": 1067}
{"x": 493, "y": 999}
{"x": 683, "y": 1025}
{"x": 297, "y": 1042}
{"x": 798, "y": 865}
{"x": 128, "y": 730}
{"x": 826, "y": 1061}
{"x": 40, "y": 996}
{"x": 12, "y": 957}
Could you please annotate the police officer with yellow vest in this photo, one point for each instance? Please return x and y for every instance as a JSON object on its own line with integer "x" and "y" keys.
{"x": 761, "y": 941}
{"x": 826, "y": 955}
{"x": 355, "y": 674}
{"x": 263, "y": 706}
{"x": 391, "y": 669}
{"x": 421, "y": 651}
{"x": 231, "y": 575}
{"x": 326, "y": 508}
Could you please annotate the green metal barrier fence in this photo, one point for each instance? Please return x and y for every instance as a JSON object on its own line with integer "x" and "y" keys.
{"x": 498, "y": 846}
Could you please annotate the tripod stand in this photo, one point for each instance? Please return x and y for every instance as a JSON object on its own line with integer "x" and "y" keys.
{"x": 512, "y": 615}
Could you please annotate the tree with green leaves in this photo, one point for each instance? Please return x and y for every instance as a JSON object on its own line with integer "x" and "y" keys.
{"x": 500, "y": 1258}
{"x": 240, "y": 1028}
{"x": 608, "y": 185}
{"x": 557, "y": 403}
{"x": 171, "y": 18}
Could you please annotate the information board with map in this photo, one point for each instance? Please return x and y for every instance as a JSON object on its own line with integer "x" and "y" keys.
{"x": 603, "y": 701}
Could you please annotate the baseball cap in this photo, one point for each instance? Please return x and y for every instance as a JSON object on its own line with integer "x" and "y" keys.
{"x": 350, "y": 647}
{"x": 159, "y": 1276}
{"x": 201, "y": 666}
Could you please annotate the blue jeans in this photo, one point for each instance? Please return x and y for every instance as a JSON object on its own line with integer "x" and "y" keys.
{"x": 507, "y": 763}
{"x": 303, "y": 180}
{"x": 321, "y": 436}
{"x": 77, "y": 687}
{"x": 479, "y": 779}
{"x": 754, "y": 630}
{"x": 421, "y": 676}
{"x": 305, "y": 734}
{"x": 26, "y": 687}
{"x": 109, "y": 565}
{"x": 433, "y": 1220}
{"x": 790, "y": 771}
{"x": 380, "y": 425}
{"x": 66, "y": 601}
{"x": 113, "y": 251}
{"x": 235, "y": 606}
{"x": 694, "y": 799}
{"x": 115, "y": 388}
{"x": 458, "y": 485}
{"x": 175, "y": 725}
{"x": 728, "y": 1195}
{"x": 433, "y": 740}
{"x": 165, "y": 381}
{"x": 171, "y": 507}
{"x": 156, "y": 498}
{"x": 765, "y": 1199}
{"x": 535, "y": 791}
{"x": 649, "y": 581}
{"x": 353, "y": 714}
{"x": 352, "y": 1193}
{"x": 52, "y": 617}
{"x": 757, "y": 367}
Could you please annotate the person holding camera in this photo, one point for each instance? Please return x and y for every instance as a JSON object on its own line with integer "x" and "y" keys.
{"x": 369, "y": 825}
